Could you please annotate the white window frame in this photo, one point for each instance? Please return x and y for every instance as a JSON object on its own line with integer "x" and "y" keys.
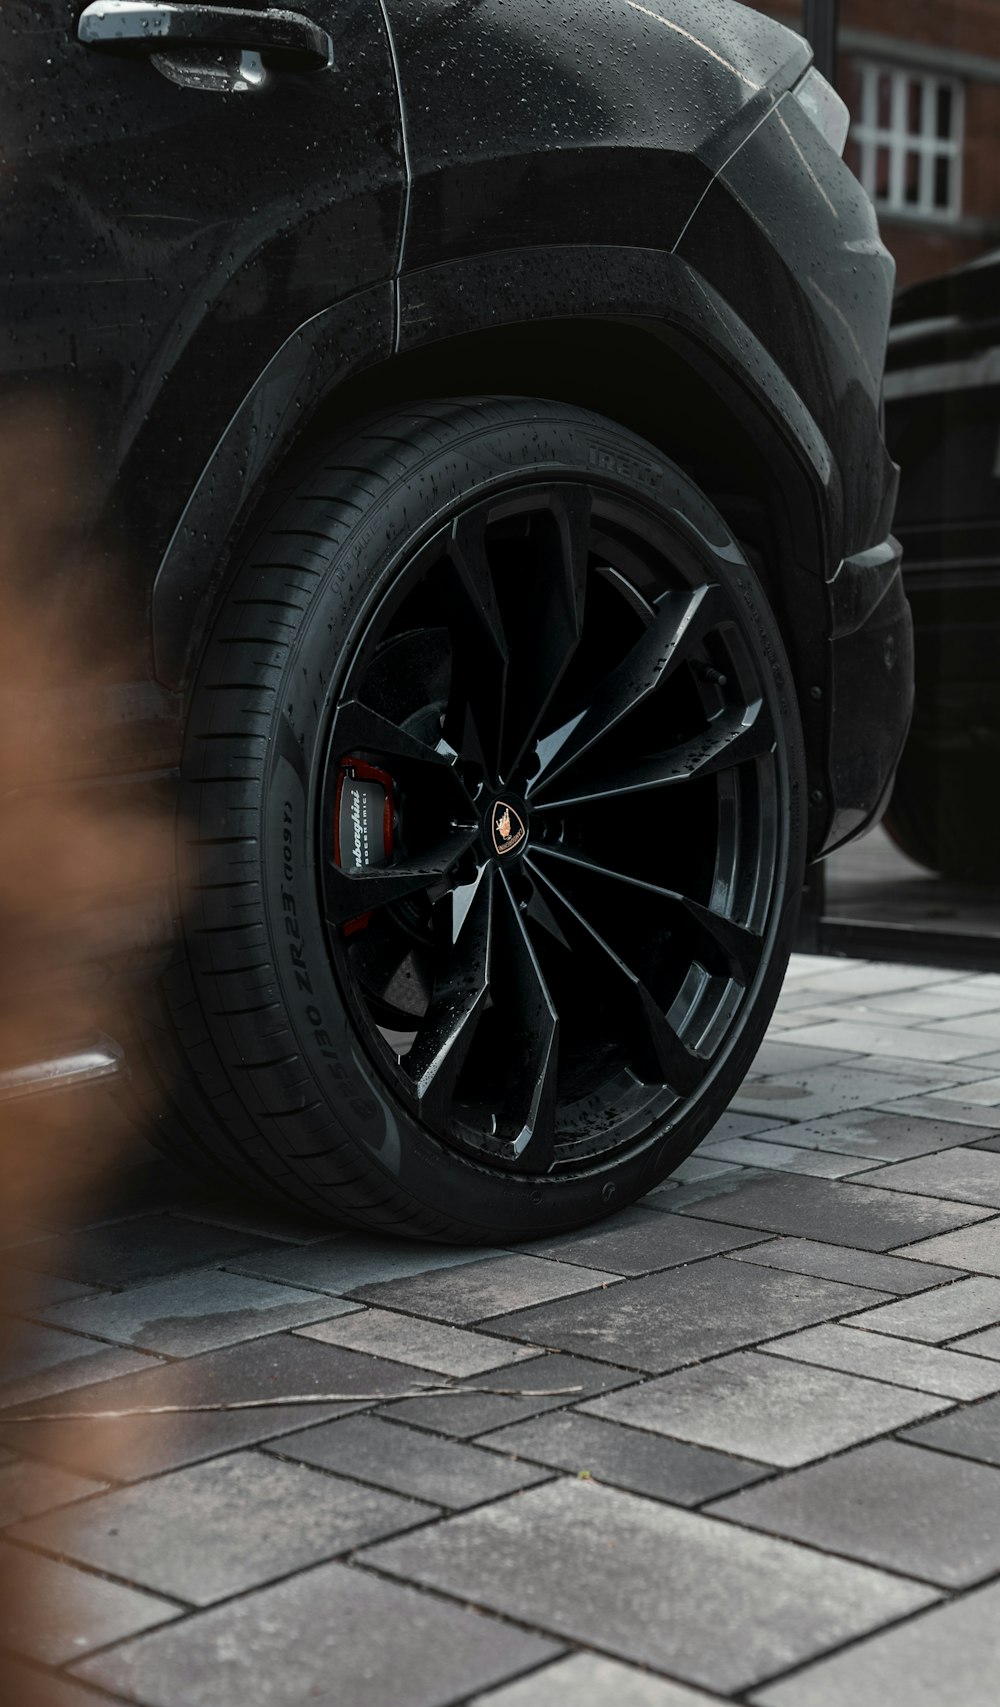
{"x": 870, "y": 137}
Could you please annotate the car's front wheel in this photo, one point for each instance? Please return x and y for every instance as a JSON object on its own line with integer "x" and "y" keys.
{"x": 491, "y": 829}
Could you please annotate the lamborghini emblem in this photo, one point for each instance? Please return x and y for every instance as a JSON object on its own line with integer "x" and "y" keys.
{"x": 507, "y": 827}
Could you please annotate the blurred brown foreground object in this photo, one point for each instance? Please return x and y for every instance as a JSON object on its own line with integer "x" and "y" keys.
{"x": 71, "y": 859}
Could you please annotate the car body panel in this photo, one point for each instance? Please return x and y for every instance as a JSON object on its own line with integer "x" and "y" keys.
{"x": 601, "y": 122}
{"x": 160, "y": 243}
{"x": 464, "y": 168}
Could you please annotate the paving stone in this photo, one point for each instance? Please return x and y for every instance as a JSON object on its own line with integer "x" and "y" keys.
{"x": 666, "y": 1320}
{"x": 445, "y": 1472}
{"x": 786, "y": 1157}
{"x": 946, "y": 1658}
{"x": 874, "y": 1038}
{"x": 624, "y": 1457}
{"x": 975, "y": 1248}
{"x": 332, "y": 1636}
{"x": 464, "y": 1415}
{"x": 985, "y": 1024}
{"x": 939, "y": 1315}
{"x": 742, "y": 1606}
{"x": 943, "y": 1076}
{"x": 587, "y": 1680}
{"x": 667, "y": 1202}
{"x": 987, "y": 981}
{"x": 195, "y": 1311}
{"x": 52, "y": 1612}
{"x": 695, "y": 1168}
{"x": 123, "y": 1252}
{"x": 883, "y": 1137}
{"x": 943, "y": 1107}
{"x": 964, "y": 1176}
{"x": 19, "y": 1233}
{"x": 871, "y": 977}
{"x": 938, "y": 1003}
{"x": 731, "y": 1125}
{"x": 985, "y": 1344}
{"x": 424, "y": 1345}
{"x": 927, "y": 1368}
{"x": 252, "y": 1215}
{"x": 766, "y": 1408}
{"x": 27, "y": 1293}
{"x": 36, "y": 1351}
{"x": 27, "y": 1488}
{"x": 803, "y": 967}
{"x": 218, "y": 1529}
{"x": 43, "y": 1360}
{"x": 24, "y": 1686}
{"x": 914, "y": 1333}
{"x": 837, "y": 1213}
{"x": 671, "y": 1193}
{"x": 830, "y": 1090}
{"x": 486, "y": 1289}
{"x": 811, "y": 1009}
{"x": 973, "y": 1432}
{"x": 922, "y": 1513}
{"x": 984, "y": 981}
{"x": 640, "y": 1241}
{"x": 154, "y": 1185}
{"x": 143, "y": 1182}
{"x": 983, "y": 1092}
{"x": 778, "y": 1057}
{"x": 839, "y": 1262}
{"x": 354, "y": 1259}
{"x": 129, "y": 1448}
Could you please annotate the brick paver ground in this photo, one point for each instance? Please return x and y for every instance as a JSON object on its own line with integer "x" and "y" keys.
{"x": 776, "y": 1481}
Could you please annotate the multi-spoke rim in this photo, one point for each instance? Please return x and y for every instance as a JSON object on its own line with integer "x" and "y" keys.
{"x": 555, "y": 946}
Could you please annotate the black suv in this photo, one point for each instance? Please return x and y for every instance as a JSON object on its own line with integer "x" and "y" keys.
{"x": 942, "y": 420}
{"x": 487, "y": 405}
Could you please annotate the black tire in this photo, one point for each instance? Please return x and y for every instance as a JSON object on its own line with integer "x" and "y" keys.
{"x": 406, "y": 562}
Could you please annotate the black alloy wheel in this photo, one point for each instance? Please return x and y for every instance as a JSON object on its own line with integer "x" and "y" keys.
{"x": 524, "y": 914}
{"x": 577, "y": 756}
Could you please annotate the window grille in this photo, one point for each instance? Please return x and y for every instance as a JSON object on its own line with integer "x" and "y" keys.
{"x": 909, "y": 141}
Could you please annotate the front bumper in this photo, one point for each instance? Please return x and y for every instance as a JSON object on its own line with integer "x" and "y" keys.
{"x": 870, "y": 685}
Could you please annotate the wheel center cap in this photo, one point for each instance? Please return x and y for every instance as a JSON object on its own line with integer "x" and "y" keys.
{"x": 507, "y": 827}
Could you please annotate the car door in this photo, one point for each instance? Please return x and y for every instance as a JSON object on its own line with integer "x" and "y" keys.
{"x": 180, "y": 188}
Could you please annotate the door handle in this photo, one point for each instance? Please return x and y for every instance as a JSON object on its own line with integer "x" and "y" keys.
{"x": 151, "y": 26}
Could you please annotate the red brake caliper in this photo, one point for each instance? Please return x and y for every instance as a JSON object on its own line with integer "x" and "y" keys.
{"x": 363, "y": 822}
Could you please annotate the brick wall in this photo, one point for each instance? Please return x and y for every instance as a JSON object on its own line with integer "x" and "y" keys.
{"x": 924, "y": 246}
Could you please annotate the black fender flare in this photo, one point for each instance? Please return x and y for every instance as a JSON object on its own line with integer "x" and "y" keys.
{"x": 477, "y": 293}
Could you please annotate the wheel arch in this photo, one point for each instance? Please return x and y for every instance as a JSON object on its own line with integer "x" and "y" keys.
{"x": 634, "y": 335}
